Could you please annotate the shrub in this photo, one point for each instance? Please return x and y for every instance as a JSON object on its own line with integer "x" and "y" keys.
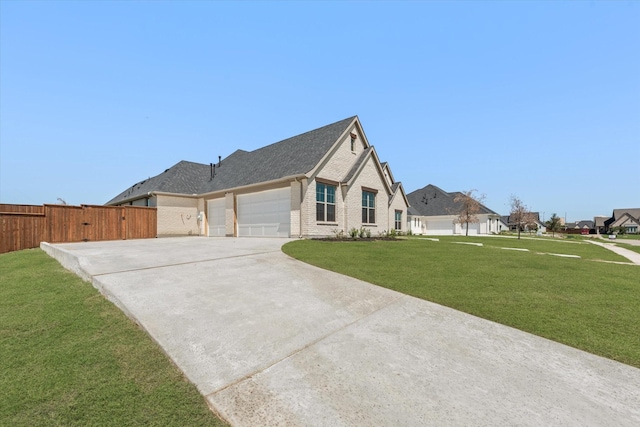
{"x": 361, "y": 232}
{"x": 339, "y": 234}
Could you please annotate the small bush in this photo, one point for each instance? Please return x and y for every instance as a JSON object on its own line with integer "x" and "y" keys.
{"x": 362, "y": 233}
{"x": 353, "y": 232}
{"x": 339, "y": 234}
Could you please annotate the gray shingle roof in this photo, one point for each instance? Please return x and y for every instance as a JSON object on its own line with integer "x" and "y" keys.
{"x": 184, "y": 177}
{"x": 580, "y": 224}
{"x": 599, "y": 221}
{"x": 293, "y": 156}
{"x": 633, "y": 213}
{"x": 433, "y": 201}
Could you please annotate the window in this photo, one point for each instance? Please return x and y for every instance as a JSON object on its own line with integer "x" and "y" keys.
{"x": 325, "y": 202}
{"x": 368, "y": 207}
{"x": 398, "y": 220}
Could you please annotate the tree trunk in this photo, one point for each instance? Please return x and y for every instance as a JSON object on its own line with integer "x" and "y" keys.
{"x": 467, "y": 234}
{"x": 519, "y": 228}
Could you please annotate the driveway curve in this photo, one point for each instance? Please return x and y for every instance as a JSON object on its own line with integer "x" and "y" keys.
{"x": 269, "y": 340}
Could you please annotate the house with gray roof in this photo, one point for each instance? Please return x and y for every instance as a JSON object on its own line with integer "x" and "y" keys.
{"x": 314, "y": 184}
{"x": 535, "y": 225}
{"x": 623, "y": 219}
{"x": 582, "y": 225}
{"x": 434, "y": 211}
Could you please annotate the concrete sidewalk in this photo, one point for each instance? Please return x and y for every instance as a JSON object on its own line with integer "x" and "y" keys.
{"x": 632, "y": 256}
{"x": 272, "y": 341}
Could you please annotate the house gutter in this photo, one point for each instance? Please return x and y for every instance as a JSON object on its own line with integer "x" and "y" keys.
{"x": 164, "y": 193}
{"x": 258, "y": 184}
{"x": 300, "y": 208}
{"x": 131, "y": 199}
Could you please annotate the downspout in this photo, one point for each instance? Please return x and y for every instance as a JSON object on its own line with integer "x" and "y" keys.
{"x": 300, "y": 210}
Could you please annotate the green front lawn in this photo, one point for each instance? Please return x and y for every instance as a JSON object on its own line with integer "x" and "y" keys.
{"x": 69, "y": 357}
{"x": 594, "y": 306}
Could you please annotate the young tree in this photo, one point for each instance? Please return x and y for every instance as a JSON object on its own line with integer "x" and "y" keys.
{"x": 519, "y": 213}
{"x": 553, "y": 224}
{"x": 468, "y": 208}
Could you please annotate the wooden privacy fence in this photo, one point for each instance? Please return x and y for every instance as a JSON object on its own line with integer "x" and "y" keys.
{"x": 25, "y": 226}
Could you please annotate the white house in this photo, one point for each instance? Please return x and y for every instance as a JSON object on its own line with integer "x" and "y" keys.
{"x": 433, "y": 211}
{"x": 314, "y": 184}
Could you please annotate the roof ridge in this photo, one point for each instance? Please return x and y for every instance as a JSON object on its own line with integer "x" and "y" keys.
{"x": 349, "y": 120}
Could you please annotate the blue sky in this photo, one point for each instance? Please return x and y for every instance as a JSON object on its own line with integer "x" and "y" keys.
{"x": 535, "y": 99}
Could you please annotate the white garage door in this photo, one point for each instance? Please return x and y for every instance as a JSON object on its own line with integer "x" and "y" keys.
{"x": 215, "y": 217}
{"x": 267, "y": 213}
{"x": 440, "y": 227}
{"x": 473, "y": 228}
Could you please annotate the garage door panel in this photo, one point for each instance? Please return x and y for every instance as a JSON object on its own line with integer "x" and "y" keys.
{"x": 216, "y": 217}
{"x": 440, "y": 227}
{"x": 267, "y": 213}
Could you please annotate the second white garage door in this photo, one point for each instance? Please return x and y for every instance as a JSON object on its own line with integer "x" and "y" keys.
{"x": 267, "y": 213}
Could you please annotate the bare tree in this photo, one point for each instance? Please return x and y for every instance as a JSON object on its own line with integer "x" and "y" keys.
{"x": 530, "y": 222}
{"x": 553, "y": 224}
{"x": 519, "y": 214}
{"x": 468, "y": 208}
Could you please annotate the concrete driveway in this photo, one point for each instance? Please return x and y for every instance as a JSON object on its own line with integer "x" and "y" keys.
{"x": 272, "y": 341}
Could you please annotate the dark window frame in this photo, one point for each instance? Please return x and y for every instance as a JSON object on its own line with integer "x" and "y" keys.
{"x": 368, "y": 206}
{"x": 325, "y": 209}
{"x": 398, "y": 220}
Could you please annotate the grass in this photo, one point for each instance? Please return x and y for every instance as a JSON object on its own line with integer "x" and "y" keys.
{"x": 593, "y": 306}
{"x": 69, "y": 357}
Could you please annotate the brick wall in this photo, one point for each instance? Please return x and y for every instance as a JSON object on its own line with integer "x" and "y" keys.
{"x": 177, "y": 216}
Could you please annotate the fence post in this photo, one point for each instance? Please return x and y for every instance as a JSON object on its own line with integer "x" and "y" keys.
{"x": 123, "y": 221}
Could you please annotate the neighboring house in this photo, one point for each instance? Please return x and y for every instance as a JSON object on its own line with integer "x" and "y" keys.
{"x": 580, "y": 225}
{"x": 513, "y": 225}
{"x": 433, "y": 211}
{"x": 313, "y": 184}
{"x": 628, "y": 219}
{"x": 598, "y": 222}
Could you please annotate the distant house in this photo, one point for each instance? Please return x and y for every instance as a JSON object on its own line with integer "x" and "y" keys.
{"x": 599, "y": 223}
{"x": 513, "y": 224}
{"x": 627, "y": 219}
{"x": 580, "y": 225}
{"x": 433, "y": 211}
{"x": 314, "y": 184}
